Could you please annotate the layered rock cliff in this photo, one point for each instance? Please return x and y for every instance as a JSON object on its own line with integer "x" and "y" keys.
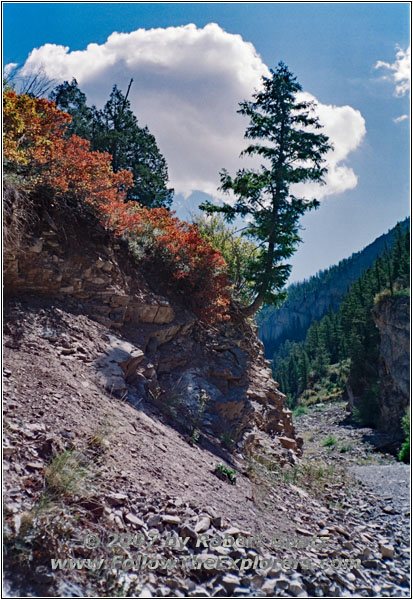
{"x": 157, "y": 349}
{"x": 392, "y": 318}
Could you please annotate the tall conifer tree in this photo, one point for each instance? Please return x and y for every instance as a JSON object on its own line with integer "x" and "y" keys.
{"x": 284, "y": 132}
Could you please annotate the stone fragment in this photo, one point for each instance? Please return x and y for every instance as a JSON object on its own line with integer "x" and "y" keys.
{"x": 151, "y": 313}
{"x": 371, "y": 563}
{"x": 387, "y": 551}
{"x": 117, "y": 499}
{"x": 295, "y": 588}
{"x": 35, "y": 427}
{"x": 202, "y": 525}
{"x": 107, "y": 266}
{"x": 154, "y": 521}
{"x": 171, "y": 519}
{"x": 134, "y": 520}
{"x": 129, "y": 365}
{"x": 282, "y": 582}
{"x": 303, "y": 531}
{"x": 342, "y": 531}
{"x": 268, "y": 587}
{"x": 35, "y": 465}
{"x": 241, "y": 592}
{"x": 208, "y": 563}
{"x": 146, "y": 592}
{"x": 37, "y": 246}
{"x": 257, "y": 580}
{"x": 288, "y": 443}
{"x": 198, "y": 592}
{"x": 219, "y": 592}
{"x": 218, "y": 521}
{"x": 187, "y": 531}
{"x": 230, "y": 581}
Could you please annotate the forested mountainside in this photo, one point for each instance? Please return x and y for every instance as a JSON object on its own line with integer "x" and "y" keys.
{"x": 362, "y": 349}
{"x": 311, "y": 299}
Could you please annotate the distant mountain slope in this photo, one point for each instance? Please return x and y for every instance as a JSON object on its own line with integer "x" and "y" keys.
{"x": 311, "y": 299}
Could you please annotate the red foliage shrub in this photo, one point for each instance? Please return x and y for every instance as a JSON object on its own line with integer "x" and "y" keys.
{"x": 199, "y": 271}
{"x": 71, "y": 167}
{"x": 34, "y": 144}
{"x": 30, "y": 125}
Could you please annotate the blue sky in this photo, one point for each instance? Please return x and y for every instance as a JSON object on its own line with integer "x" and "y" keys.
{"x": 188, "y": 82}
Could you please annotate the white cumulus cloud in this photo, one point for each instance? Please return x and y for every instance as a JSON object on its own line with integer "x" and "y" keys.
{"x": 188, "y": 82}
{"x": 400, "y": 71}
{"x": 8, "y": 69}
{"x": 346, "y": 128}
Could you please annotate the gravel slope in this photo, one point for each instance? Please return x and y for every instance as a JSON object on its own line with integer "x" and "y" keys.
{"x": 152, "y": 479}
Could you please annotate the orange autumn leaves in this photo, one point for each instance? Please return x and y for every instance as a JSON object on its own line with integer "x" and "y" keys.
{"x": 30, "y": 126}
{"x": 199, "y": 271}
{"x": 34, "y": 145}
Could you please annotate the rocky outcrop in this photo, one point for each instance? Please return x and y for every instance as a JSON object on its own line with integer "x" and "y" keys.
{"x": 392, "y": 319}
{"x": 158, "y": 350}
{"x": 244, "y": 403}
{"x": 94, "y": 270}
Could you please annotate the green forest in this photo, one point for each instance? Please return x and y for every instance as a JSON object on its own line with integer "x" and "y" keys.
{"x": 343, "y": 347}
{"x": 319, "y": 293}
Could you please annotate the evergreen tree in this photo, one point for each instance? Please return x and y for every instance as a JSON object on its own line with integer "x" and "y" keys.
{"x": 133, "y": 148}
{"x": 379, "y": 273}
{"x": 293, "y": 375}
{"x": 320, "y": 363}
{"x": 303, "y": 369}
{"x": 400, "y": 260}
{"x": 312, "y": 340}
{"x": 115, "y": 129}
{"x": 388, "y": 265}
{"x": 283, "y": 133}
{"x": 69, "y": 98}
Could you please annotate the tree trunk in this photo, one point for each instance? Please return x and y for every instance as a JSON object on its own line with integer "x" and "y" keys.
{"x": 257, "y": 303}
{"x": 250, "y": 310}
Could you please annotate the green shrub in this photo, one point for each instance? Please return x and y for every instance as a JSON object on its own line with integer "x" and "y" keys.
{"x": 404, "y": 293}
{"x": 404, "y": 454}
{"x": 300, "y": 410}
{"x": 71, "y": 474}
{"x": 330, "y": 442}
{"x": 227, "y": 440}
{"x": 238, "y": 251}
{"x": 381, "y": 296}
{"x": 194, "y": 416}
{"x": 225, "y": 473}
